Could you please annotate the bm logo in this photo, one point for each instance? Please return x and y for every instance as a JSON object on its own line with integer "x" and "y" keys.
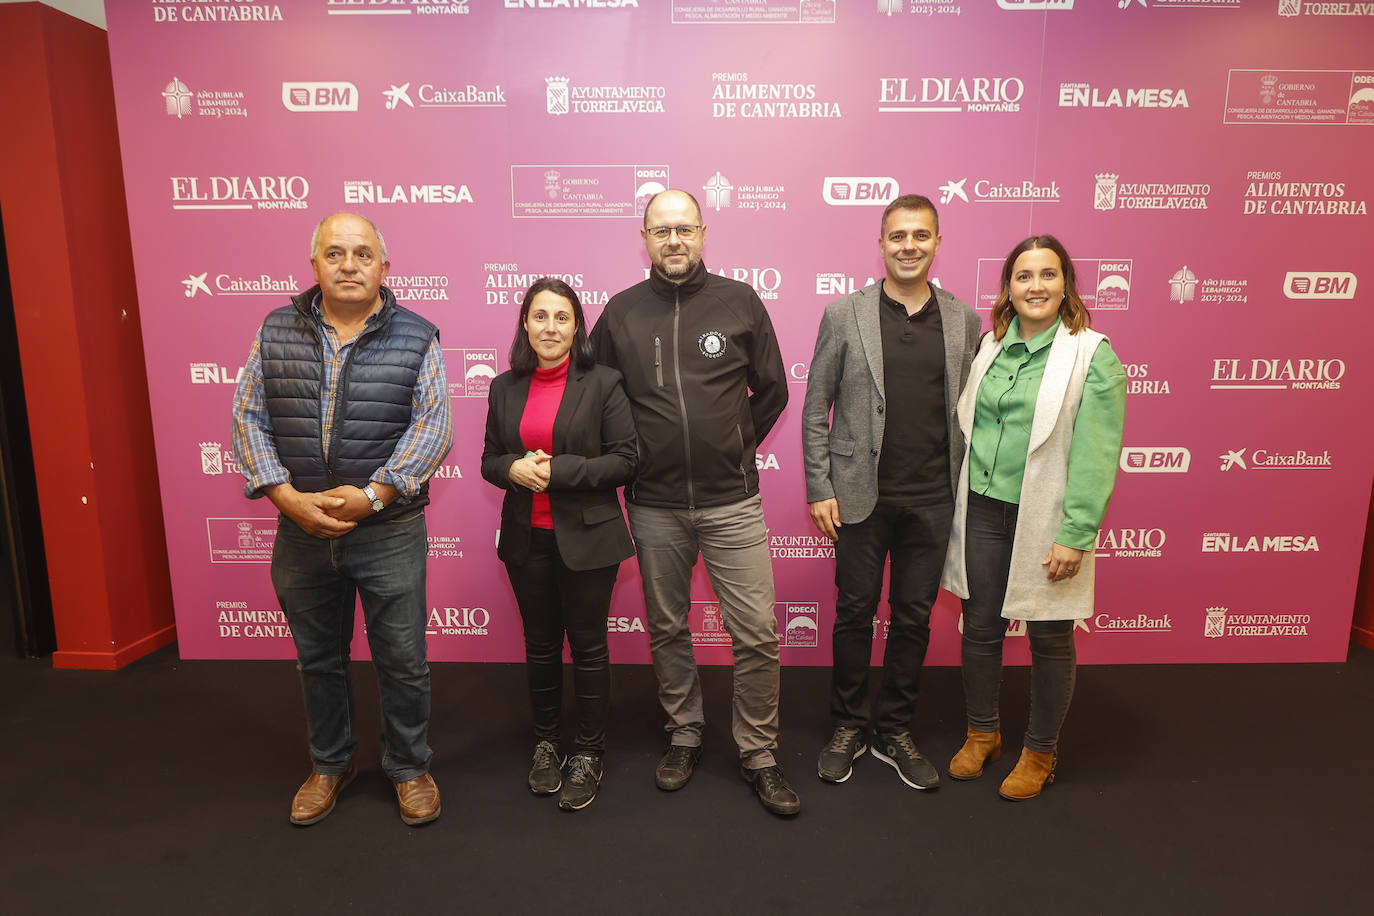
{"x": 1155, "y": 459}
{"x": 1336, "y": 284}
{"x": 335, "y": 96}
{"x": 859, "y": 191}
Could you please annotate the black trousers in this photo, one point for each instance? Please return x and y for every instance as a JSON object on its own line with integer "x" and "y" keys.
{"x": 556, "y": 601}
{"x": 915, "y": 537}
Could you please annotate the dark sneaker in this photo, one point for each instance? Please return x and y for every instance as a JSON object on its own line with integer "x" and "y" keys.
{"x": 676, "y": 767}
{"x": 900, "y": 751}
{"x": 772, "y": 789}
{"x": 584, "y": 776}
{"x": 837, "y": 758}
{"x": 546, "y": 772}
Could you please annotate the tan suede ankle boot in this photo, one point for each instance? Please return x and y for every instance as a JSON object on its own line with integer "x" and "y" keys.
{"x": 979, "y": 748}
{"x": 1033, "y": 772}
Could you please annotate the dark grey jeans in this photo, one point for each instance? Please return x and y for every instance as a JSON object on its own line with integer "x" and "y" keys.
{"x": 991, "y": 530}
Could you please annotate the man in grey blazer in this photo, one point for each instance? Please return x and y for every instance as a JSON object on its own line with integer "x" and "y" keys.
{"x": 880, "y": 477}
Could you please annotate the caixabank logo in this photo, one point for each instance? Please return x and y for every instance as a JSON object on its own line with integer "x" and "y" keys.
{"x": 432, "y": 95}
{"x": 999, "y": 191}
{"x": 1275, "y": 459}
{"x": 1109, "y": 622}
{"x": 227, "y": 284}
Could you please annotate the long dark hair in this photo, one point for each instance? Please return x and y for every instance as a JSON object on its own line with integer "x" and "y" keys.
{"x": 1072, "y": 310}
{"x": 523, "y": 360}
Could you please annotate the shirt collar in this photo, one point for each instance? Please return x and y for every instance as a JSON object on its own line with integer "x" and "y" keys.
{"x": 1035, "y": 344}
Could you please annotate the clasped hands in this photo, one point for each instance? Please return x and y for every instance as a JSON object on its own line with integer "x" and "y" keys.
{"x": 532, "y": 471}
{"x": 330, "y": 513}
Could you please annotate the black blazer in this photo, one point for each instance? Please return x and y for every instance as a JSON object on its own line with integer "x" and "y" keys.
{"x": 594, "y": 452}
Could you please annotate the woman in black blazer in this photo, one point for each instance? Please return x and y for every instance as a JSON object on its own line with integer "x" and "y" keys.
{"x": 560, "y": 440}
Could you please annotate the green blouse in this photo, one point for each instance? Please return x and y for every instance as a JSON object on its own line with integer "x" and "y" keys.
{"x": 1002, "y": 428}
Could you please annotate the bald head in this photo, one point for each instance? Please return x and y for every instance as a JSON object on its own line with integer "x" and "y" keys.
{"x": 671, "y": 197}
{"x": 319, "y": 227}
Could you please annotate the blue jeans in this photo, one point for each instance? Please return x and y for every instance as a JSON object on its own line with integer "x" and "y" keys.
{"x": 991, "y": 526}
{"x": 317, "y": 582}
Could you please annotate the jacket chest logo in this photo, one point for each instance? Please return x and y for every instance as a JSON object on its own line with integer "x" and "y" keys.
{"x": 712, "y": 344}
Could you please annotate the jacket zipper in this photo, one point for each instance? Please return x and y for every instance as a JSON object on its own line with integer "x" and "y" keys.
{"x": 658, "y": 359}
{"x": 682, "y": 403}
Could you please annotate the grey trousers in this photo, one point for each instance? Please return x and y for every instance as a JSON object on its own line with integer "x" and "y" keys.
{"x": 733, "y": 542}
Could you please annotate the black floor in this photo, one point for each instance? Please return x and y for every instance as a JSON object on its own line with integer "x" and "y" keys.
{"x": 164, "y": 788}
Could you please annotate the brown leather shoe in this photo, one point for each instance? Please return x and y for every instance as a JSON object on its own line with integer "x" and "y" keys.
{"x": 419, "y": 798}
{"x": 1033, "y": 772}
{"x": 979, "y": 748}
{"x": 316, "y": 796}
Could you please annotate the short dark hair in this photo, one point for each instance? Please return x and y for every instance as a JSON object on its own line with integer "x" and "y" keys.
{"x": 523, "y": 360}
{"x": 909, "y": 202}
{"x": 1071, "y": 308}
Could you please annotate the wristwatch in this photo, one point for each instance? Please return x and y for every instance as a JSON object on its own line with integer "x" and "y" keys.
{"x": 377, "y": 504}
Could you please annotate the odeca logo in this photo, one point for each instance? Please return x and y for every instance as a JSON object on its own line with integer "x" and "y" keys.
{"x": 859, "y": 191}
{"x": 1155, "y": 459}
{"x": 333, "y": 96}
{"x": 1337, "y": 284}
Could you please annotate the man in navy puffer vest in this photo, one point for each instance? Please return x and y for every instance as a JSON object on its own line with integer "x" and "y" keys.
{"x": 340, "y": 417}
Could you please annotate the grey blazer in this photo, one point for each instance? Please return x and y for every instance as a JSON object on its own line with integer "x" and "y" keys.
{"x": 841, "y": 452}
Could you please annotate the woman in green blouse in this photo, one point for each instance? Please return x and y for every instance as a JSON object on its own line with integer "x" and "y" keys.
{"x": 1042, "y": 417}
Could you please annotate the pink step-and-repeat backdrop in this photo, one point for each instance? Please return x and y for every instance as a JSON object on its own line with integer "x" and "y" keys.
{"x": 1207, "y": 162}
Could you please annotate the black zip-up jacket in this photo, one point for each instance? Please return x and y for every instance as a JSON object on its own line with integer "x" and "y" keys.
{"x": 690, "y": 354}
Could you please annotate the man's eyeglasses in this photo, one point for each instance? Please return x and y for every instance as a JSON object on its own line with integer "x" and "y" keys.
{"x": 685, "y": 233}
